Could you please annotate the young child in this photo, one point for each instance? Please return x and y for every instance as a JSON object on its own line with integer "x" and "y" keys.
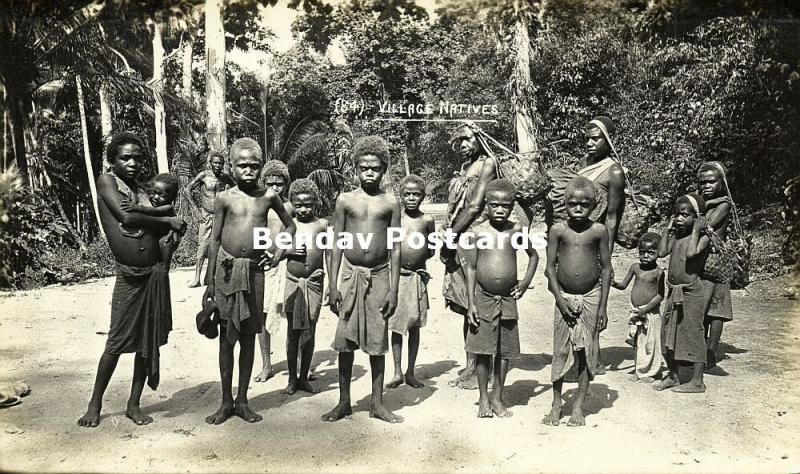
{"x": 645, "y": 318}
{"x": 579, "y": 276}
{"x": 412, "y": 300}
{"x": 305, "y": 280}
{"x": 235, "y": 279}
{"x": 275, "y": 176}
{"x": 682, "y": 323}
{"x": 492, "y": 291}
{"x": 162, "y": 192}
{"x": 712, "y": 185}
{"x": 369, "y": 283}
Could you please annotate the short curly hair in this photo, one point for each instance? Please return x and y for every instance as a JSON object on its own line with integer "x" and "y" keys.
{"x": 501, "y": 185}
{"x": 118, "y": 140}
{"x": 216, "y": 154}
{"x": 245, "y": 144}
{"x": 170, "y": 180}
{"x": 371, "y": 145}
{"x": 275, "y": 168}
{"x": 303, "y": 186}
{"x": 581, "y": 183}
{"x": 650, "y": 238}
{"x": 411, "y": 179}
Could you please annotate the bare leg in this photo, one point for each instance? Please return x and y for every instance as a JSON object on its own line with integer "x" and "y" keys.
{"x": 377, "y": 409}
{"x": 306, "y": 355}
{"x": 134, "y": 412}
{"x": 105, "y": 369}
{"x": 671, "y": 380}
{"x": 226, "y": 377}
{"x": 413, "y": 349}
{"x": 498, "y": 406}
{"x": 482, "y": 363}
{"x": 397, "y": 356}
{"x": 265, "y": 343}
{"x": 343, "y": 408}
{"x": 712, "y": 343}
{"x": 198, "y": 269}
{"x": 695, "y": 385}
{"x": 247, "y": 352}
{"x": 553, "y": 418}
{"x": 578, "y": 418}
{"x": 292, "y": 341}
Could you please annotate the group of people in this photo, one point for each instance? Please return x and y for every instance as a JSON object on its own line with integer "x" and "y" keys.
{"x": 379, "y": 288}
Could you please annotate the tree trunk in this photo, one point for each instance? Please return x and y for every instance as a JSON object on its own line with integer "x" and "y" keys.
{"x": 186, "y": 69}
{"x": 87, "y": 156}
{"x": 17, "y": 116}
{"x": 105, "y": 112}
{"x": 524, "y": 109}
{"x": 158, "y": 109}
{"x": 216, "y": 134}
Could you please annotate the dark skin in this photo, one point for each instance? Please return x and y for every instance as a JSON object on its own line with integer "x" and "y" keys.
{"x": 413, "y": 221}
{"x": 597, "y": 149}
{"x": 682, "y": 240}
{"x": 366, "y": 210}
{"x": 495, "y": 269}
{"x": 142, "y": 251}
{"x": 574, "y": 249}
{"x": 648, "y": 286}
{"x": 303, "y": 259}
{"x": 162, "y": 195}
{"x": 237, "y": 211}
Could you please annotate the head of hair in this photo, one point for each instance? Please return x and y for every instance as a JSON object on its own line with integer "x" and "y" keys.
{"x": 501, "y": 185}
{"x": 581, "y": 183}
{"x": 371, "y": 145}
{"x": 687, "y": 198}
{"x": 412, "y": 179}
{"x": 216, "y": 154}
{"x": 649, "y": 238}
{"x": 118, "y": 140}
{"x": 245, "y": 144}
{"x": 167, "y": 179}
{"x": 276, "y": 168}
{"x": 606, "y": 121}
{"x": 304, "y": 186}
{"x": 714, "y": 166}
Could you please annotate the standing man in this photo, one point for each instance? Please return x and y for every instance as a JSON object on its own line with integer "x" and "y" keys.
{"x": 465, "y": 204}
{"x": 211, "y": 181}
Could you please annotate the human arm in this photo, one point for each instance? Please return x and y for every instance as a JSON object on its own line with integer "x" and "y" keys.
{"x": 657, "y": 298}
{"x": 533, "y": 263}
{"x": 286, "y": 219}
{"x": 213, "y": 245}
{"x": 697, "y": 242}
{"x": 390, "y": 302}
{"x": 550, "y": 272}
{"x": 196, "y": 181}
{"x": 474, "y": 207}
{"x": 626, "y": 281}
{"x": 334, "y": 298}
{"x": 108, "y": 193}
{"x": 165, "y": 210}
{"x": 605, "y": 280}
{"x": 616, "y": 203}
{"x": 470, "y": 264}
{"x": 430, "y": 228}
{"x": 718, "y": 216}
{"x": 667, "y": 239}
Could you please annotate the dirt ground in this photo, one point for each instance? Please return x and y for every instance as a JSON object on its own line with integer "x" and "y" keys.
{"x": 748, "y": 420}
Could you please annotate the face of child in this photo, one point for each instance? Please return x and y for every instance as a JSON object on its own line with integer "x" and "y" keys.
{"x": 684, "y": 215}
{"x": 128, "y": 161}
{"x": 710, "y": 184}
{"x": 304, "y": 205}
{"x": 246, "y": 165}
{"x": 499, "y": 205}
{"x": 467, "y": 143}
{"x": 275, "y": 183}
{"x": 161, "y": 193}
{"x": 370, "y": 170}
{"x": 648, "y": 253}
{"x": 579, "y": 203}
{"x": 412, "y": 195}
{"x": 217, "y": 164}
{"x": 596, "y": 144}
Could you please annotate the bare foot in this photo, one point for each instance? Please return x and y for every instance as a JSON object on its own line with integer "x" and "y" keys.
{"x": 634, "y": 378}
{"x": 266, "y": 374}
{"x": 690, "y": 387}
{"x": 225, "y": 411}
{"x": 554, "y": 417}
{"x": 396, "y": 381}
{"x": 485, "y": 409}
{"x": 470, "y": 383}
{"x": 499, "y": 408}
{"x": 600, "y": 369}
{"x": 342, "y": 410}
{"x": 577, "y": 418}
{"x": 194, "y": 284}
{"x": 311, "y": 375}
{"x": 380, "y": 412}
{"x": 91, "y": 418}
{"x": 306, "y": 387}
{"x": 243, "y": 411}
{"x": 291, "y": 388}
{"x": 647, "y": 380}
{"x": 666, "y": 383}
{"x": 134, "y": 412}
{"x": 412, "y": 381}
{"x": 464, "y": 375}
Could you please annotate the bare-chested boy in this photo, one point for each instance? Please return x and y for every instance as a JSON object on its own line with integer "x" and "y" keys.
{"x": 492, "y": 292}
{"x": 682, "y": 323}
{"x": 713, "y": 187}
{"x": 235, "y": 279}
{"x": 212, "y": 182}
{"x": 305, "y": 280}
{"x": 369, "y": 283}
{"x": 645, "y": 319}
{"x": 141, "y": 315}
{"x": 274, "y": 176}
{"x": 412, "y": 295}
{"x": 579, "y": 276}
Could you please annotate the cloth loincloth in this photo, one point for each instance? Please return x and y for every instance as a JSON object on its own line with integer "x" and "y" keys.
{"x": 303, "y": 302}
{"x": 361, "y": 323}
{"x": 648, "y": 345}
{"x": 239, "y": 293}
{"x": 682, "y": 322}
{"x": 497, "y": 333}
{"x": 580, "y": 336}
{"x": 204, "y": 223}
{"x": 141, "y": 315}
{"x": 718, "y": 300}
{"x": 412, "y": 301}
{"x": 274, "y": 293}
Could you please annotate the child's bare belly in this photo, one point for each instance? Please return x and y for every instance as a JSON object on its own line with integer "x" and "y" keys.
{"x": 303, "y": 266}
{"x": 642, "y": 293}
{"x": 237, "y": 239}
{"x": 414, "y": 259}
{"x": 497, "y": 271}
{"x": 578, "y": 272}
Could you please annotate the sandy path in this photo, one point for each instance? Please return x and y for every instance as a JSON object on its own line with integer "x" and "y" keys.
{"x": 749, "y": 420}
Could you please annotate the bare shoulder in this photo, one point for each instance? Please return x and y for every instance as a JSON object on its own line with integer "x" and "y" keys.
{"x": 106, "y": 180}
{"x": 428, "y": 219}
{"x": 557, "y": 229}
{"x": 616, "y": 174}
{"x": 599, "y": 229}
{"x": 323, "y": 223}
{"x": 489, "y": 168}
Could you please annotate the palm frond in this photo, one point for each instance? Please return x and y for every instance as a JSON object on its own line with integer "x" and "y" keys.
{"x": 308, "y": 126}
{"x": 314, "y": 146}
{"x": 48, "y": 36}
